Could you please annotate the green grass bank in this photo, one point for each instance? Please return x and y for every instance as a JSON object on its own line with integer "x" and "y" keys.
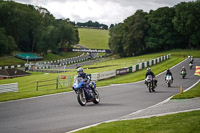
{"x": 93, "y": 38}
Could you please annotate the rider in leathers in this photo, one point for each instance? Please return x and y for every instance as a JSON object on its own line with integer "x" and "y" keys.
{"x": 86, "y": 78}
{"x": 169, "y": 73}
{"x": 149, "y": 72}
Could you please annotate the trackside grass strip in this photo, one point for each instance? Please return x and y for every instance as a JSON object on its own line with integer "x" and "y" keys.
{"x": 188, "y": 122}
{"x": 192, "y": 93}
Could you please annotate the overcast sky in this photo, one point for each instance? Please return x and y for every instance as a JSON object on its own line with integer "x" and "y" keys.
{"x": 103, "y": 11}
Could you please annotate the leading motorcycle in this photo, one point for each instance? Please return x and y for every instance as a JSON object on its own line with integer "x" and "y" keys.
{"x": 84, "y": 92}
{"x": 169, "y": 80}
{"x": 150, "y": 83}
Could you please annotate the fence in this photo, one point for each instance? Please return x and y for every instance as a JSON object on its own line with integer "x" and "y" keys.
{"x": 62, "y": 81}
{"x": 12, "y": 87}
{"x": 47, "y": 83}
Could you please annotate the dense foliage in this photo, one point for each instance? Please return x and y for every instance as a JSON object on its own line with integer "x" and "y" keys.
{"x": 91, "y": 24}
{"x": 162, "y": 29}
{"x": 33, "y": 29}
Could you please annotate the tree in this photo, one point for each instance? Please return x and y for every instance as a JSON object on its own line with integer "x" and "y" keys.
{"x": 7, "y": 43}
{"x": 161, "y": 34}
{"x": 187, "y": 22}
{"x": 133, "y": 39}
{"x": 67, "y": 34}
{"x": 115, "y": 40}
{"x": 47, "y": 39}
{"x": 35, "y": 29}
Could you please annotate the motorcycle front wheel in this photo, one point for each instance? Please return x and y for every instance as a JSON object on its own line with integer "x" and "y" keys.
{"x": 149, "y": 86}
{"x": 169, "y": 85}
{"x": 81, "y": 98}
{"x": 96, "y": 97}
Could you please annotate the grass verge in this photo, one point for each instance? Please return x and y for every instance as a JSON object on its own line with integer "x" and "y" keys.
{"x": 188, "y": 122}
{"x": 192, "y": 93}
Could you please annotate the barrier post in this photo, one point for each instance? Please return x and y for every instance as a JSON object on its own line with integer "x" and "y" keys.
{"x": 37, "y": 85}
{"x": 181, "y": 89}
{"x": 57, "y": 83}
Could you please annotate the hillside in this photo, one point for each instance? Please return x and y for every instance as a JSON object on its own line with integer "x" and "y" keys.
{"x": 93, "y": 38}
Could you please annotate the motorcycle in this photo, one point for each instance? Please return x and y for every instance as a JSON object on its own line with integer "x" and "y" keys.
{"x": 169, "y": 80}
{"x": 183, "y": 73}
{"x": 190, "y": 65}
{"x": 84, "y": 92}
{"x": 150, "y": 83}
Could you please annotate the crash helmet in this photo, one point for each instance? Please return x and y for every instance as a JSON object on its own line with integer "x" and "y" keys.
{"x": 148, "y": 69}
{"x": 168, "y": 70}
{"x": 79, "y": 70}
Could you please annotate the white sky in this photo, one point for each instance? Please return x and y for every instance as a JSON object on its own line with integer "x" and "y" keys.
{"x": 103, "y": 11}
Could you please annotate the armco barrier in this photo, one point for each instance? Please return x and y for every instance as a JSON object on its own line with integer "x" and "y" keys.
{"x": 12, "y": 87}
{"x": 107, "y": 74}
{"x": 113, "y": 73}
{"x": 134, "y": 68}
{"x": 103, "y": 75}
{"x": 122, "y": 71}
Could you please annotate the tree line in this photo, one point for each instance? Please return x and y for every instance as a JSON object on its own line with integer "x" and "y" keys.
{"x": 91, "y": 24}
{"x": 30, "y": 28}
{"x": 162, "y": 29}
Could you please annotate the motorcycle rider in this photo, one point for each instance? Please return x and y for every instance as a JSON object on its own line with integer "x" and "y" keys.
{"x": 191, "y": 59}
{"x": 183, "y": 69}
{"x": 86, "y": 78}
{"x": 149, "y": 72}
{"x": 169, "y": 73}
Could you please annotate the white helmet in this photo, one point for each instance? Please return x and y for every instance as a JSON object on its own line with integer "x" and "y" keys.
{"x": 80, "y": 69}
{"x": 148, "y": 69}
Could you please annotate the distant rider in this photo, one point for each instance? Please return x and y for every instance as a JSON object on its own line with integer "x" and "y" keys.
{"x": 191, "y": 59}
{"x": 183, "y": 69}
{"x": 86, "y": 78}
{"x": 169, "y": 73}
{"x": 191, "y": 62}
{"x": 149, "y": 72}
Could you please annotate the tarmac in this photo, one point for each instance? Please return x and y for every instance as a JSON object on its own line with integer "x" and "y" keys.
{"x": 165, "y": 107}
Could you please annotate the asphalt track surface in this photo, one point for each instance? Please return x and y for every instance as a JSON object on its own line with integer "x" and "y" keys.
{"x": 61, "y": 113}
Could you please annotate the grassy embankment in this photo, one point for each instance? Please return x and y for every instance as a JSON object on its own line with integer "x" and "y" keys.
{"x": 94, "y": 39}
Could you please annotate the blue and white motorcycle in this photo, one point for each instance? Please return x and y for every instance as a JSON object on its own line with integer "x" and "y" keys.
{"x": 84, "y": 92}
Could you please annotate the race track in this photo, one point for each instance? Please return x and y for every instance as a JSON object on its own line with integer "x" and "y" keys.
{"x": 60, "y": 113}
